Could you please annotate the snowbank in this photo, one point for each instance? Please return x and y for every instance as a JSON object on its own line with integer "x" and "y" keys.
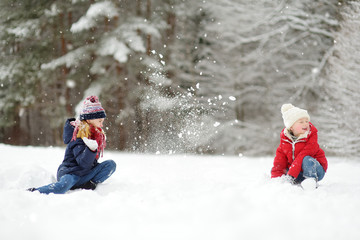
{"x": 176, "y": 197}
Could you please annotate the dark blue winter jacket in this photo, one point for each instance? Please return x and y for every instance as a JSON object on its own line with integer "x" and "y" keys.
{"x": 78, "y": 159}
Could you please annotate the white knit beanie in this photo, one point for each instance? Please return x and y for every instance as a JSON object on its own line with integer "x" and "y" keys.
{"x": 291, "y": 114}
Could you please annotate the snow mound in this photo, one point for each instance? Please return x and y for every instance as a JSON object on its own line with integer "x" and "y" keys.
{"x": 309, "y": 184}
{"x": 18, "y": 177}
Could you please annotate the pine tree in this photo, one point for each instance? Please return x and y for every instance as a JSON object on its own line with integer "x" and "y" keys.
{"x": 22, "y": 50}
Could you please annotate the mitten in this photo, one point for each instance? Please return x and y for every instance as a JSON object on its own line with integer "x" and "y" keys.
{"x": 92, "y": 144}
{"x": 289, "y": 178}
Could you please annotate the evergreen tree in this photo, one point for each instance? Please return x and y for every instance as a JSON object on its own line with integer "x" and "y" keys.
{"x": 191, "y": 76}
{"x": 23, "y": 48}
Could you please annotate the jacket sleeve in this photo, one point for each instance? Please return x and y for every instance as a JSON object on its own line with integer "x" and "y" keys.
{"x": 68, "y": 130}
{"x": 310, "y": 149}
{"x": 280, "y": 163}
{"x": 83, "y": 155}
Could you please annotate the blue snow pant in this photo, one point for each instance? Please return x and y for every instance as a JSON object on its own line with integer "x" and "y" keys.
{"x": 311, "y": 168}
{"x": 98, "y": 175}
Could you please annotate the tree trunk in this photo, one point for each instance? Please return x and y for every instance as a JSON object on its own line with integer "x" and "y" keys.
{"x": 148, "y": 36}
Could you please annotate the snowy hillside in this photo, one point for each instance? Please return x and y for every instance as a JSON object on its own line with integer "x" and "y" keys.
{"x": 176, "y": 197}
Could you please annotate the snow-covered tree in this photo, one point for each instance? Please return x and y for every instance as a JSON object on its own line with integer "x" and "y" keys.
{"x": 122, "y": 49}
{"x": 263, "y": 54}
{"x": 173, "y": 118}
{"x": 102, "y": 41}
{"x": 199, "y": 76}
{"x": 21, "y": 54}
{"x": 339, "y": 113}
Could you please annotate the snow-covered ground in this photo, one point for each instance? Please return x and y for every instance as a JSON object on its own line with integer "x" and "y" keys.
{"x": 176, "y": 197}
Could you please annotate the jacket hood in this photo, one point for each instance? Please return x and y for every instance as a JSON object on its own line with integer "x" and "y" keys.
{"x": 68, "y": 130}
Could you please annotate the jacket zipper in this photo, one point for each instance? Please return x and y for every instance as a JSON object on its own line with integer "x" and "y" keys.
{"x": 293, "y": 146}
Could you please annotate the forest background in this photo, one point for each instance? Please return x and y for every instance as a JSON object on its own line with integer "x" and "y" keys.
{"x": 182, "y": 76}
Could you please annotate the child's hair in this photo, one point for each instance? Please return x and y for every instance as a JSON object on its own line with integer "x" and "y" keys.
{"x": 84, "y": 129}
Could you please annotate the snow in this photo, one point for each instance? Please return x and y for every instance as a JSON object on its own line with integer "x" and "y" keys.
{"x": 70, "y": 59}
{"x": 133, "y": 40}
{"x": 176, "y": 197}
{"x": 24, "y": 29}
{"x": 112, "y": 46}
{"x": 159, "y": 103}
{"x": 159, "y": 79}
{"x": 96, "y": 10}
{"x": 53, "y": 11}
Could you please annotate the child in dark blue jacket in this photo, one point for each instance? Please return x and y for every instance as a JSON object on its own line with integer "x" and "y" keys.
{"x": 86, "y": 142}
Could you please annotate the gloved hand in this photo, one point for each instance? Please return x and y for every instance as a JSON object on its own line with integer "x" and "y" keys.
{"x": 289, "y": 179}
{"x": 92, "y": 144}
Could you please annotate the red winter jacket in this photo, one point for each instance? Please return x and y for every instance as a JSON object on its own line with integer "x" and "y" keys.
{"x": 290, "y": 154}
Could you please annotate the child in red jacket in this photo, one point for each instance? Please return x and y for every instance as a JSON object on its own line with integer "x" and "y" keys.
{"x": 299, "y": 157}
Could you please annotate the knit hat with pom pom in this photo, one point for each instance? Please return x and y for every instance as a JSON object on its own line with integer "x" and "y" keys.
{"x": 291, "y": 114}
{"x": 92, "y": 109}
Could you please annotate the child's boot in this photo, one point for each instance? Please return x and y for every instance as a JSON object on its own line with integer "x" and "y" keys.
{"x": 88, "y": 185}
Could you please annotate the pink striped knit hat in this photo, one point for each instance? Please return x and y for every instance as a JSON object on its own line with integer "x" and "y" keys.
{"x": 92, "y": 109}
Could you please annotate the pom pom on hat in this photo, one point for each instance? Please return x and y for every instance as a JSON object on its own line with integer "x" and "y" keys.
{"x": 92, "y": 109}
{"x": 286, "y": 107}
{"x": 291, "y": 114}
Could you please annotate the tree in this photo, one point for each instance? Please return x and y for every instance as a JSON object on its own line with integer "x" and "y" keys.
{"x": 339, "y": 111}
{"x": 174, "y": 76}
{"x": 262, "y": 54}
{"x": 21, "y": 56}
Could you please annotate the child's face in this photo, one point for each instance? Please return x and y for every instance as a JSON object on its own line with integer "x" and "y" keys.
{"x": 300, "y": 127}
{"x": 96, "y": 122}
